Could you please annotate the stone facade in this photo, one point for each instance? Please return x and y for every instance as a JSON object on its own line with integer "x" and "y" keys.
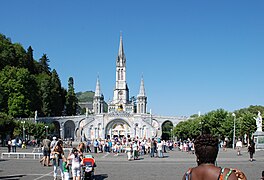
{"x": 125, "y": 117}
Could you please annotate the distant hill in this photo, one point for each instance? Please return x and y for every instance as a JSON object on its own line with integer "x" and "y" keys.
{"x": 85, "y": 96}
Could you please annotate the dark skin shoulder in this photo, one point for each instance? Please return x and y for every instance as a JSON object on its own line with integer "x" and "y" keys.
{"x": 205, "y": 172}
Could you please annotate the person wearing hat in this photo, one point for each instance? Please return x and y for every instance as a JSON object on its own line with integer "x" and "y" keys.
{"x": 53, "y": 143}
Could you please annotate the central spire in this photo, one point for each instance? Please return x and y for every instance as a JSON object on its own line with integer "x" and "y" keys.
{"x": 121, "y": 58}
{"x": 121, "y": 49}
{"x": 121, "y": 92}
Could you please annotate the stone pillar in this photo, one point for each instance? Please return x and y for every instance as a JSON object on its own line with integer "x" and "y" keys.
{"x": 89, "y": 133}
{"x": 95, "y": 133}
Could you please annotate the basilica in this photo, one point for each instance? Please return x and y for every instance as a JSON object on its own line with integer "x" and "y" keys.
{"x": 125, "y": 116}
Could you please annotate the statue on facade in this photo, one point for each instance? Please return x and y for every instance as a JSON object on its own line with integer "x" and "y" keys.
{"x": 36, "y": 115}
{"x": 259, "y": 122}
{"x": 86, "y": 111}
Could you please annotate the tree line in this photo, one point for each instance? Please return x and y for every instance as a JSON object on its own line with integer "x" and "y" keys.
{"x": 28, "y": 86}
{"x": 221, "y": 123}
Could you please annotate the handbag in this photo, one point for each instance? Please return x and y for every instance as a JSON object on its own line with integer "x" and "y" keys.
{"x": 52, "y": 156}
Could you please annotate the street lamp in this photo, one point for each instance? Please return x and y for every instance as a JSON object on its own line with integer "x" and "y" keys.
{"x": 234, "y": 135}
{"x": 46, "y": 130}
{"x": 171, "y": 135}
{"x": 23, "y": 123}
{"x": 60, "y": 132}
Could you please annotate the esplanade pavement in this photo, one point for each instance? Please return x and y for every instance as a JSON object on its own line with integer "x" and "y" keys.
{"x": 112, "y": 167}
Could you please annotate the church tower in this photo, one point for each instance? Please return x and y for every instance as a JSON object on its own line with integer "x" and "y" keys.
{"x": 121, "y": 91}
{"x": 142, "y": 99}
{"x": 98, "y": 100}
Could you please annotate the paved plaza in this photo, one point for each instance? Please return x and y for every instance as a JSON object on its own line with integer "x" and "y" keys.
{"x": 111, "y": 167}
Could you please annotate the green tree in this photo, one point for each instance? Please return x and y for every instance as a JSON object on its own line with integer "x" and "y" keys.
{"x": 45, "y": 86}
{"x": 7, "y": 126}
{"x": 213, "y": 121}
{"x": 20, "y": 56}
{"x": 18, "y": 105}
{"x": 30, "y": 61}
{"x": 3, "y": 106}
{"x": 182, "y": 130}
{"x": 248, "y": 124}
{"x": 7, "y": 52}
{"x": 44, "y": 64}
{"x": 245, "y": 122}
{"x": 71, "y": 99}
{"x": 21, "y": 92}
{"x": 166, "y": 130}
{"x": 58, "y": 96}
{"x": 18, "y": 87}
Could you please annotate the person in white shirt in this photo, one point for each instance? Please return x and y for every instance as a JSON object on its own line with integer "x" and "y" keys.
{"x": 159, "y": 149}
{"x": 13, "y": 144}
{"x": 135, "y": 150}
{"x": 76, "y": 159}
{"x": 238, "y": 146}
{"x": 53, "y": 143}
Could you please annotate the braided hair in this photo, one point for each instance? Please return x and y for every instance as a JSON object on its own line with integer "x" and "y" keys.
{"x": 206, "y": 149}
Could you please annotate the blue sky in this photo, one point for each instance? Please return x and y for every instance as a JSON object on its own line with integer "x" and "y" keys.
{"x": 194, "y": 55}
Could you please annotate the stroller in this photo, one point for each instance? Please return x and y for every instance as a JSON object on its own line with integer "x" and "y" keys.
{"x": 88, "y": 165}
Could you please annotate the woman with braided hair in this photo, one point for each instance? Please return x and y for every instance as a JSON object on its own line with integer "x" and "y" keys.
{"x": 206, "y": 150}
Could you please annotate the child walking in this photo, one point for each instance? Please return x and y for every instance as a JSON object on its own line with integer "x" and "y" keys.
{"x": 66, "y": 169}
{"x": 76, "y": 159}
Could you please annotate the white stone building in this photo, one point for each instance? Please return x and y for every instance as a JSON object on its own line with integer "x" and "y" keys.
{"x": 125, "y": 117}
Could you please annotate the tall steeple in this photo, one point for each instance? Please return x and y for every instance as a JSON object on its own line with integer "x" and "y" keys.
{"x": 121, "y": 58}
{"x": 121, "y": 92}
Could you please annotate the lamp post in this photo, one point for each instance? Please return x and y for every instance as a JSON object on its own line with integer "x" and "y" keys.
{"x": 23, "y": 123}
{"x": 60, "y": 132}
{"x": 234, "y": 135}
{"x": 201, "y": 124}
{"x": 171, "y": 135}
{"x": 46, "y": 127}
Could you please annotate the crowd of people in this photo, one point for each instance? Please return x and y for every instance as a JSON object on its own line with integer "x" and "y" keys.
{"x": 54, "y": 155}
{"x": 134, "y": 147}
{"x": 205, "y": 147}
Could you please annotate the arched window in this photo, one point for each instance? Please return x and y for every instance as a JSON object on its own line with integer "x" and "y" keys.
{"x": 118, "y": 74}
{"x": 122, "y": 75}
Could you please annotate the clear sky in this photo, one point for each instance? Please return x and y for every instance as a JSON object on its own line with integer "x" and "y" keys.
{"x": 194, "y": 55}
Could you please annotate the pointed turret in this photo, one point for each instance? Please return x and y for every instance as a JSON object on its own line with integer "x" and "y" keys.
{"x": 142, "y": 99}
{"x": 98, "y": 100}
{"x": 97, "y": 88}
{"x": 142, "y": 88}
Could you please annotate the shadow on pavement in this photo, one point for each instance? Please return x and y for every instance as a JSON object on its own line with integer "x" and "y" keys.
{"x": 12, "y": 177}
{"x": 100, "y": 176}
